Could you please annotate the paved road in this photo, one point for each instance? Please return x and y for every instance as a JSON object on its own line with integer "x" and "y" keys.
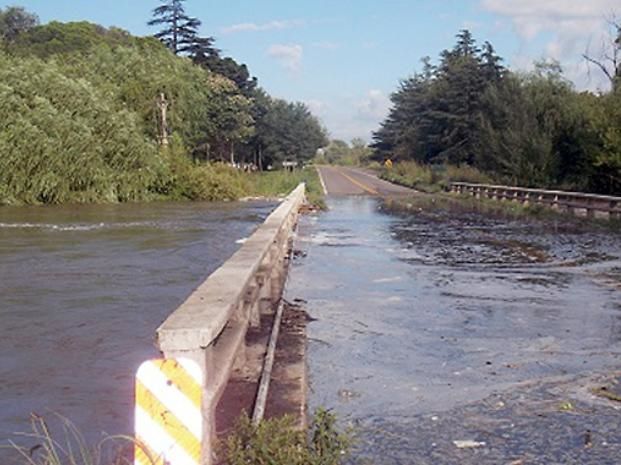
{"x": 351, "y": 181}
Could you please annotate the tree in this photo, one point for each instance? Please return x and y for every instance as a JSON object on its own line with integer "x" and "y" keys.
{"x": 227, "y": 67}
{"x": 286, "y": 131}
{"x": 68, "y": 38}
{"x": 180, "y": 33}
{"x": 14, "y": 21}
{"x": 609, "y": 59}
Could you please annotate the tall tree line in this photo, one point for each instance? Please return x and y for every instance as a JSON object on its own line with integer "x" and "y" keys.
{"x": 281, "y": 130}
{"x": 530, "y": 129}
{"x": 79, "y": 117}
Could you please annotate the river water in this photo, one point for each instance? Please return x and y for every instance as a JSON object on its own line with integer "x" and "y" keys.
{"x": 422, "y": 315}
{"x": 83, "y": 289}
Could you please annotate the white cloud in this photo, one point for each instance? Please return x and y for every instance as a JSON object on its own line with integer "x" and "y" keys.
{"x": 572, "y": 25}
{"x": 317, "y": 107}
{"x": 289, "y": 55}
{"x": 354, "y": 116}
{"x": 269, "y": 26}
{"x": 374, "y": 106}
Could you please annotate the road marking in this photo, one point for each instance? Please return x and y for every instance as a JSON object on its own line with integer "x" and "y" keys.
{"x": 359, "y": 184}
{"x": 323, "y": 184}
{"x": 168, "y": 419}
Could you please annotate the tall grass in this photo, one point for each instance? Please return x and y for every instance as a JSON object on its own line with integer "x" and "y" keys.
{"x": 279, "y": 441}
{"x": 281, "y": 183}
{"x": 432, "y": 178}
{"x": 68, "y": 447}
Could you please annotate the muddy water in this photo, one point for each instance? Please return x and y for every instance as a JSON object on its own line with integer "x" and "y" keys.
{"x": 82, "y": 292}
{"x": 420, "y": 316}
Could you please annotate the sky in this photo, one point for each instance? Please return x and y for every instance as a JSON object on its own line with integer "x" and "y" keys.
{"x": 343, "y": 58}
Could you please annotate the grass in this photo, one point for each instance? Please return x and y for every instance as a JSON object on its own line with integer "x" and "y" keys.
{"x": 69, "y": 447}
{"x": 281, "y": 442}
{"x": 281, "y": 183}
{"x": 431, "y": 178}
{"x": 277, "y": 441}
{"x": 436, "y": 180}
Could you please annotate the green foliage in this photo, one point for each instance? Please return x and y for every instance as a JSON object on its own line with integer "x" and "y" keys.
{"x": 14, "y": 21}
{"x": 282, "y": 442}
{"x": 79, "y": 120}
{"x": 339, "y": 152}
{"x": 285, "y": 132}
{"x": 282, "y": 182}
{"x": 180, "y": 31}
{"x": 528, "y": 129}
{"x": 206, "y": 181}
{"x": 61, "y": 141}
{"x": 432, "y": 178}
{"x": 66, "y": 38}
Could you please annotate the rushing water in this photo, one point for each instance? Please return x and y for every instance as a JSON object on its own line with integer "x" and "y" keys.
{"x": 423, "y": 314}
{"x": 83, "y": 289}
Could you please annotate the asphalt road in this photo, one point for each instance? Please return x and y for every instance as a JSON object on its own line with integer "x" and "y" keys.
{"x": 341, "y": 181}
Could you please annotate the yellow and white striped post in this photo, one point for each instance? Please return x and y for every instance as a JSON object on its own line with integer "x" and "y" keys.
{"x": 168, "y": 419}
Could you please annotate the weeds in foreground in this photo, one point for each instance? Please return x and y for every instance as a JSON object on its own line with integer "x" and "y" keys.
{"x": 278, "y": 441}
{"x": 282, "y": 442}
{"x": 68, "y": 447}
{"x": 432, "y": 178}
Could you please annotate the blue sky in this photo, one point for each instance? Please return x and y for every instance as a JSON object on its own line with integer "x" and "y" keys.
{"x": 344, "y": 57}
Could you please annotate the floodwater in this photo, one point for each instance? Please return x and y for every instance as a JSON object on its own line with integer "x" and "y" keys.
{"x": 83, "y": 289}
{"x": 422, "y": 318}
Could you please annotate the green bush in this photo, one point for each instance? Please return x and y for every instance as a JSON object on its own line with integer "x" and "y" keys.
{"x": 61, "y": 141}
{"x": 432, "y": 178}
{"x": 282, "y": 182}
{"x": 282, "y": 442}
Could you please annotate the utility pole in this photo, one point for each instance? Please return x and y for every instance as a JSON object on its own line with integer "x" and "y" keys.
{"x": 162, "y": 106}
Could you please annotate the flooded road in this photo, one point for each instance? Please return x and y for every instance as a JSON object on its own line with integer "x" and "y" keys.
{"x": 428, "y": 322}
{"x": 83, "y": 289}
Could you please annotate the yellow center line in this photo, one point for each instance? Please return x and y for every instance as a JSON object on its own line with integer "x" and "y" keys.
{"x": 359, "y": 184}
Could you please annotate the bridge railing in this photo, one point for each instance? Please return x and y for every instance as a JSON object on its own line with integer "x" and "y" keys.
{"x": 210, "y": 326}
{"x": 576, "y": 202}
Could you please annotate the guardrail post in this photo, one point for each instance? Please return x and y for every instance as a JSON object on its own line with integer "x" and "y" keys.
{"x": 590, "y": 212}
{"x": 614, "y": 210}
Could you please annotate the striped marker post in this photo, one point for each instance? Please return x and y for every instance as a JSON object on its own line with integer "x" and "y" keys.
{"x": 168, "y": 419}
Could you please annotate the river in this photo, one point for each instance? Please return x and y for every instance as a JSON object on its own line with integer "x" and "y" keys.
{"x": 428, "y": 322}
{"x": 84, "y": 288}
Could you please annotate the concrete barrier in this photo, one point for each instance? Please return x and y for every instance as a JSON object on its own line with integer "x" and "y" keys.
{"x": 575, "y": 202}
{"x": 210, "y": 326}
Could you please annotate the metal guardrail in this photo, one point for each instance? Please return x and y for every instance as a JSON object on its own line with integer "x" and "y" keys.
{"x": 576, "y": 202}
{"x": 210, "y": 326}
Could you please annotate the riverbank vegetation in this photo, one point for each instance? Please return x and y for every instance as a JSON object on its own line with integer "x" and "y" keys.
{"x": 278, "y": 441}
{"x": 531, "y": 129}
{"x": 90, "y": 114}
{"x": 280, "y": 183}
{"x": 431, "y": 178}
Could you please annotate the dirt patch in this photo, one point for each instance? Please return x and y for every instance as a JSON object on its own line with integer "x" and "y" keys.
{"x": 287, "y": 393}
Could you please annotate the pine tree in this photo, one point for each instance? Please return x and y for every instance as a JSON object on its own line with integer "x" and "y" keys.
{"x": 180, "y": 33}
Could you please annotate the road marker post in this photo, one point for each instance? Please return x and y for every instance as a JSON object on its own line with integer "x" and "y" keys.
{"x": 168, "y": 413}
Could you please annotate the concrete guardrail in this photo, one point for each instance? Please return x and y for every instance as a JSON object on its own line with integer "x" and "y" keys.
{"x": 574, "y": 202}
{"x": 210, "y": 326}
